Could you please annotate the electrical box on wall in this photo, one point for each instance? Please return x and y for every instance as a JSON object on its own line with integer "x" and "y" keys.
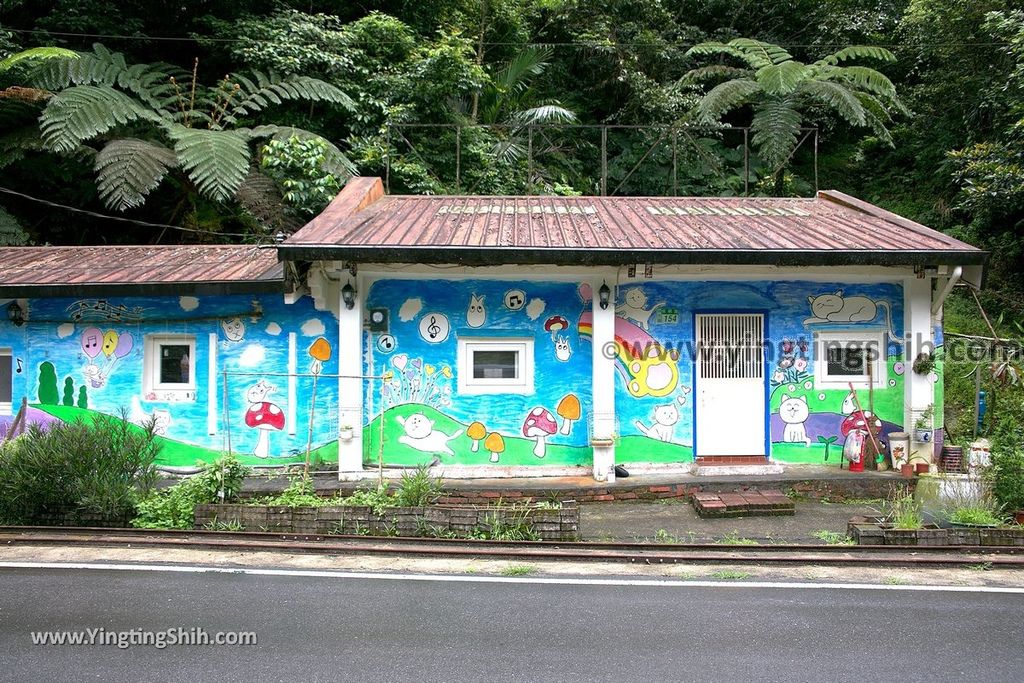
{"x": 376, "y": 320}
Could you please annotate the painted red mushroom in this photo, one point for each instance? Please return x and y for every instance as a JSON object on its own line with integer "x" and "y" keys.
{"x": 263, "y": 416}
{"x": 555, "y": 324}
{"x": 540, "y": 424}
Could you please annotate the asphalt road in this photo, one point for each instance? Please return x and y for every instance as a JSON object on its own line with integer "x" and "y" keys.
{"x": 331, "y": 628}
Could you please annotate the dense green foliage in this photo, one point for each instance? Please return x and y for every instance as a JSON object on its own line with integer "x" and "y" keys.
{"x": 73, "y": 468}
{"x": 174, "y": 507}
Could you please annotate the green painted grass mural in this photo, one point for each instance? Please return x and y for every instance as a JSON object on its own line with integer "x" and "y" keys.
{"x": 515, "y": 450}
{"x": 174, "y": 453}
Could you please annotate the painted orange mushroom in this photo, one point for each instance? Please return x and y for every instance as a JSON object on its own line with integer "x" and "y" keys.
{"x": 476, "y": 431}
{"x": 569, "y": 410}
{"x": 320, "y": 350}
{"x": 495, "y": 445}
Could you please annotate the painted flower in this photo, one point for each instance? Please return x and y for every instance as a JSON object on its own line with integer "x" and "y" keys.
{"x": 787, "y": 346}
{"x": 785, "y": 362}
{"x": 387, "y": 376}
{"x": 447, "y": 372}
{"x": 898, "y": 367}
{"x": 778, "y": 377}
{"x": 429, "y": 369}
{"x": 800, "y": 364}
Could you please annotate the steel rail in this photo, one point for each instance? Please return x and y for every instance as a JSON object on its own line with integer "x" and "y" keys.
{"x": 633, "y": 553}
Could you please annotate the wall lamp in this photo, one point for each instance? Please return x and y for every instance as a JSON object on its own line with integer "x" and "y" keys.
{"x": 604, "y": 295}
{"x": 15, "y": 314}
{"x": 348, "y": 295}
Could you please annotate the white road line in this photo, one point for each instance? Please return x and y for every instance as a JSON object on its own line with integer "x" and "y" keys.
{"x": 654, "y": 583}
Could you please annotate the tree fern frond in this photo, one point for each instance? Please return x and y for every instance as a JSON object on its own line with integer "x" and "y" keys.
{"x": 725, "y": 96}
{"x": 713, "y": 47}
{"x": 715, "y": 71}
{"x": 11, "y": 232}
{"x": 836, "y": 97}
{"x": 217, "y": 161}
{"x": 36, "y": 54}
{"x": 863, "y": 78}
{"x": 761, "y": 52}
{"x": 876, "y": 116}
{"x": 781, "y": 79}
{"x": 128, "y": 169}
{"x": 275, "y": 89}
{"x": 261, "y": 197}
{"x": 858, "y": 51}
{"x": 775, "y": 128}
{"x": 82, "y": 112}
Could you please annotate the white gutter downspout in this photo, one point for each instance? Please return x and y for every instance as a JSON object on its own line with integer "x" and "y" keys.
{"x": 953, "y": 279}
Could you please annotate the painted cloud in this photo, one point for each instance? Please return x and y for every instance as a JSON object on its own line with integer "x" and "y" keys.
{"x": 410, "y": 309}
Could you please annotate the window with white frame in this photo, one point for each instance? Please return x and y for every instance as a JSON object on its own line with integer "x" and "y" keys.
{"x": 845, "y": 357}
{"x": 495, "y": 366}
{"x": 170, "y": 364}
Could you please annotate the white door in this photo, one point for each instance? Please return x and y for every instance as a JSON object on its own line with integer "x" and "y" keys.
{"x": 730, "y": 409}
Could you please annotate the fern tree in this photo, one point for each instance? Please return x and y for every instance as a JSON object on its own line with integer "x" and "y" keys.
{"x": 781, "y": 92}
{"x": 147, "y": 121}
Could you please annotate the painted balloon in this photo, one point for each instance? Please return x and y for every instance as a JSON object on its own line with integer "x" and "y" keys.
{"x": 92, "y": 338}
{"x": 109, "y": 342}
{"x": 124, "y": 345}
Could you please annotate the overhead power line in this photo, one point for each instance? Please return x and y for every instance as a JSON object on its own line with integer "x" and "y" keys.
{"x": 589, "y": 44}
{"x": 122, "y": 219}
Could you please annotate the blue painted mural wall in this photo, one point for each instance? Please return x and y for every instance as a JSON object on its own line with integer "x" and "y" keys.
{"x": 79, "y": 357}
{"x": 661, "y": 315}
{"x": 418, "y": 360}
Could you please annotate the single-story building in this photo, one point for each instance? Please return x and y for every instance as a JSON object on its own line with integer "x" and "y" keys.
{"x": 503, "y": 336}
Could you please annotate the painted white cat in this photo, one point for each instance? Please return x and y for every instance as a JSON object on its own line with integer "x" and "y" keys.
{"x": 420, "y": 434}
{"x": 635, "y": 308}
{"x": 834, "y": 308}
{"x": 794, "y": 412}
{"x": 562, "y": 349}
{"x": 476, "y": 315}
{"x": 664, "y": 426}
{"x": 161, "y": 417}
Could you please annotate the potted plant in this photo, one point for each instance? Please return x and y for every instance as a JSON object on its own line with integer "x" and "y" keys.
{"x": 345, "y": 432}
{"x": 923, "y": 425}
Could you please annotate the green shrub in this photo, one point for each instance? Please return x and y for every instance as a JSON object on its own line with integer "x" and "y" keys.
{"x": 299, "y": 493}
{"x": 903, "y": 511}
{"x": 174, "y": 508}
{"x": 1007, "y": 477}
{"x": 378, "y": 499}
{"x": 74, "y": 468}
{"x": 418, "y": 489}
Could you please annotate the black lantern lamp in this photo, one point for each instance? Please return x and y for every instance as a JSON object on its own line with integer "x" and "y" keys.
{"x": 348, "y": 295}
{"x": 15, "y": 314}
{"x": 604, "y": 295}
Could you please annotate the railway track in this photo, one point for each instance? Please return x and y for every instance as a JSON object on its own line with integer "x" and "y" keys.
{"x": 583, "y": 551}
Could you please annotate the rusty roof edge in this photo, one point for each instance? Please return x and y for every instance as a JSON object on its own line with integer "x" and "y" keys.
{"x": 359, "y": 192}
{"x": 592, "y": 256}
{"x": 204, "y": 288}
{"x": 851, "y": 202}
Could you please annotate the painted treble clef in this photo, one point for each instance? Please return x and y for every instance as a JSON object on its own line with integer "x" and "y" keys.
{"x": 433, "y": 329}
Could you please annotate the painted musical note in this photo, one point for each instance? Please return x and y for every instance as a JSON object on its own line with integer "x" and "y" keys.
{"x": 91, "y": 340}
{"x": 514, "y": 299}
{"x": 20, "y": 365}
{"x": 434, "y": 327}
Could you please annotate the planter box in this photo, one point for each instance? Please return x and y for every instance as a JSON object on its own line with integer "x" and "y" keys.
{"x": 554, "y": 525}
{"x": 874, "y": 531}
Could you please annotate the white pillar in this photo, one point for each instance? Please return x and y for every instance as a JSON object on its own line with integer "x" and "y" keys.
{"x": 918, "y": 390}
{"x": 350, "y": 384}
{"x": 602, "y": 434}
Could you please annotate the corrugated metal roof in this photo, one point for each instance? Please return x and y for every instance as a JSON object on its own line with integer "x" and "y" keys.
{"x": 28, "y": 271}
{"x": 361, "y": 222}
